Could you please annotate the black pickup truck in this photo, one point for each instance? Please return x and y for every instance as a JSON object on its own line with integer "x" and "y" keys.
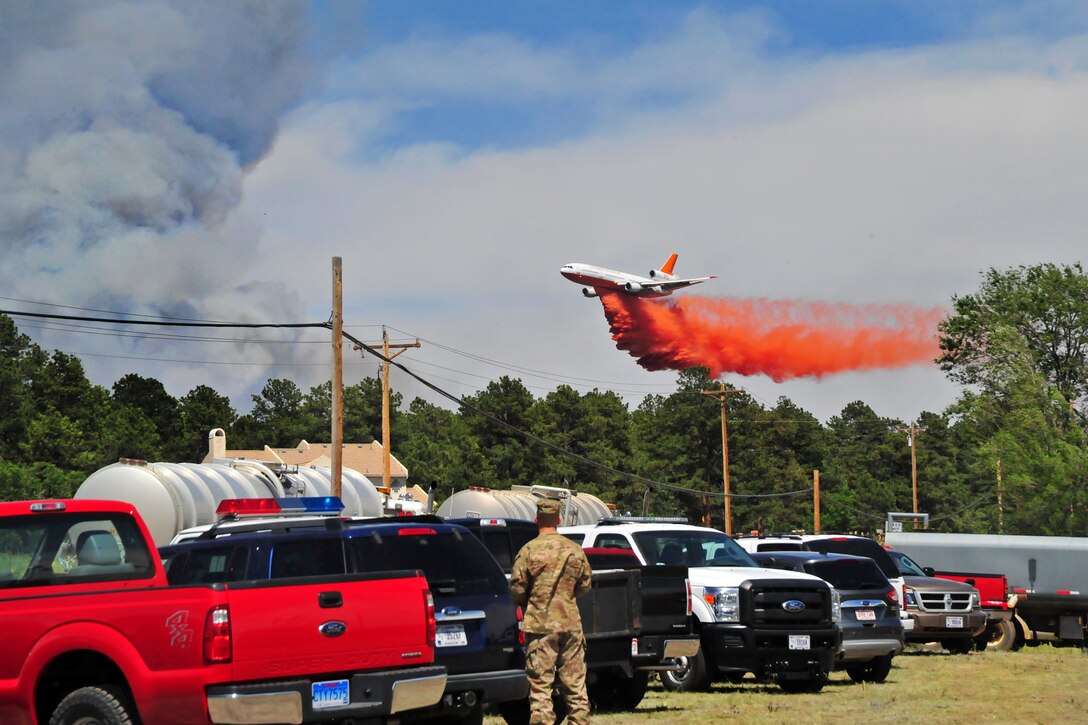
{"x": 636, "y": 619}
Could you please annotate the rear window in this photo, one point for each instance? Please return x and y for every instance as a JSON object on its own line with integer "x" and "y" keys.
{"x": 56, "y": 549}
{"x": 849, "y": 573}
{"x": 779, "y": 547}
{"x": 857, "y": 547}
{"x": 454, "y": 563}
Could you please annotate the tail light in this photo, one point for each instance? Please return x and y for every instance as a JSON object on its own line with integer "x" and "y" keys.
{"x": 521, "y": 632}
{"x": 217, "y": 636}
{"x": 432, "y": 626}
{"x": 687, "y": 584}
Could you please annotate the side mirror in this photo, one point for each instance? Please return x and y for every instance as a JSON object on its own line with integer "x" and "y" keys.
{"x": 928, "y": 570}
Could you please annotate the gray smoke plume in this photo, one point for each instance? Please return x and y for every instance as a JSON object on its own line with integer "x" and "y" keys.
{"x": 126, "y": 128}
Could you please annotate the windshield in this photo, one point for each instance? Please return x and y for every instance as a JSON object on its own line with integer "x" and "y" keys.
{"x": 691, "y": 548}
{"x": 907, "y": 566}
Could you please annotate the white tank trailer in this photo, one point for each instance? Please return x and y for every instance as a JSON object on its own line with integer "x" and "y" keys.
{"x": 175, "y": 496}
{"x": 520, "y": 503}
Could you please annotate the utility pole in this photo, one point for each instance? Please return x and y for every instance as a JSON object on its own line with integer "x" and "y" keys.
{"x": 721, "y": 394}
{"x": 337, "y": 376}
{"x": 816, "y": 500}
{"x": 914, "y": 430}
{"x": 386, "y": 347}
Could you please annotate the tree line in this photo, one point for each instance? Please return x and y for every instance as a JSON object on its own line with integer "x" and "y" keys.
{"x": 1009, "y": 456}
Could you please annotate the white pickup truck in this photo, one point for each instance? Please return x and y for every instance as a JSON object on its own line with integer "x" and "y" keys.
{"x": 777, "y": 624}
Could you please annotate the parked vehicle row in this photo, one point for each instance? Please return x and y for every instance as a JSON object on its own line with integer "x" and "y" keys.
{"x": 930, "y": 609}
{"x": 315, "y": 617}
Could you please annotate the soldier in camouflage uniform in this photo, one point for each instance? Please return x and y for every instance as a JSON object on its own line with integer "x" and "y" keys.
{"x": 549, "y": 573}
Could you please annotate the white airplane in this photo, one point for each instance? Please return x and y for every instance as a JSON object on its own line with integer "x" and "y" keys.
{"x": 661, "y": 282}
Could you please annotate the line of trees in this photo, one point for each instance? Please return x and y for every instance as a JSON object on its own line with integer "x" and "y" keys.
{"x": 1019, "y": 345}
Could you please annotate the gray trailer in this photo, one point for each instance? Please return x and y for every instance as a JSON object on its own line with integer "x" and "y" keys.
{"x": 1048, "y": 576}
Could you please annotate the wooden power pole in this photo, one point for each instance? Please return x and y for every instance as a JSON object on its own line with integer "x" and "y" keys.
{"x": 337, "y": 376}
{"x": 721, "y": 394}
{"x": 386, "y": 347}
{"x": 913, "y": 431}
{"x": 816, "y": 501}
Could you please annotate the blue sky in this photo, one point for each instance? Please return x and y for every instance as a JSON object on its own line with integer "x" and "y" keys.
{"x": 455, "y": 155}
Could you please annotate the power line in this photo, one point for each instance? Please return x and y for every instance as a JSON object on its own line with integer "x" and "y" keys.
{"x": 389, "y": 361}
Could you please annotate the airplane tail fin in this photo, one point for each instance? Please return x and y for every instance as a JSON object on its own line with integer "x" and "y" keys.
{"x": 669, "y": 264}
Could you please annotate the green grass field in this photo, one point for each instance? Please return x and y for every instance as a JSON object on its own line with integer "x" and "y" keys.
{"x": 1035, "y": 685}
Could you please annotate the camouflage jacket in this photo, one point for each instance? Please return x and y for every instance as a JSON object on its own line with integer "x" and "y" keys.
{"x": 550, "y": 573}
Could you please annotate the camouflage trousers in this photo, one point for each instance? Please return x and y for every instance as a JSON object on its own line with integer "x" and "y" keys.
{"x": 556, "y": 660}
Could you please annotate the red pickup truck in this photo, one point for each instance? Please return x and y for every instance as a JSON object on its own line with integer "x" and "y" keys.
{"x": 92, "y": 632}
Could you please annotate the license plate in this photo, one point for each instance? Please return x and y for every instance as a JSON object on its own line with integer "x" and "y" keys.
{"x": 800, "y": 641}
{"x": 865, "y": 615}
{"x": 953, "y": 622}
{"x": 332, "y": 693}
{"x": 450, "y": 635}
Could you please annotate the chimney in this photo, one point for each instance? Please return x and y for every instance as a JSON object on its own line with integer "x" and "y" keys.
{"x": 217, "y": 444}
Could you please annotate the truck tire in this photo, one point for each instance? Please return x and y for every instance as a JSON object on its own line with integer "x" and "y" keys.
{"x": 958, "y": 646}
{"x": 617, "y": 692}
{"x": 999, "y": 636}
{"x": 106, "y": 705}
{"x": 692, "y": 678}
{"x": 812, "y": 684}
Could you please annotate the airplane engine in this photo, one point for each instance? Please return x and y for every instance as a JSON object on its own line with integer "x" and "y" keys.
{"x": 633, "y": 287}
{"x": 653, "y": 274}
{"x": 589, "y": 292}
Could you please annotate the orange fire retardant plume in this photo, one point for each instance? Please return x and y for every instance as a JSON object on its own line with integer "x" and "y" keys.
{"x": 782, "y": 339}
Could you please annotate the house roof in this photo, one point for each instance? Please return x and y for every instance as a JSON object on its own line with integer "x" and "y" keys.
{"x": 366, "y": 458}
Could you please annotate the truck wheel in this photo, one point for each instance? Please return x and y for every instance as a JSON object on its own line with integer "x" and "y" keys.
{"x": 999, "y": 636}
{"x": 93, "y": 706}
{"x": 515, "y": 712}
{"x": 631, "y": 690}
{"x": 693, "y": 677}
{"x": 812, "y": 684}
{"x": 958, "y": 646}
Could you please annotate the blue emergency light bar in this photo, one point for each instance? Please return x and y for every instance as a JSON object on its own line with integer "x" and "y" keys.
{"x": 314, "y": 505}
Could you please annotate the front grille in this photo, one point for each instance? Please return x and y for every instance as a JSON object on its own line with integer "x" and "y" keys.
{"x": 764, "y": 602}
{"x": 944, "y": 601}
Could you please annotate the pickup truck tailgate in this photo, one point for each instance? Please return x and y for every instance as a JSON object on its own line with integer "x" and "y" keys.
{"x": 328, "y": 624}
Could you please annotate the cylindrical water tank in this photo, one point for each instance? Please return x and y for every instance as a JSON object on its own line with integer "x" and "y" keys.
{"x": 175, "y": 496}
{"x": 520, "y": 503}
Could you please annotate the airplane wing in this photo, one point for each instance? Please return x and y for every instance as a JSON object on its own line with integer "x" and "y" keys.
{"x": 675, "y": 283}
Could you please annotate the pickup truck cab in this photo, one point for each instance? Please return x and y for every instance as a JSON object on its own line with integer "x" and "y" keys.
{"x": 776, "y": 624}
{"x": 92, "y": 632}
{"x": 477, "y": 627}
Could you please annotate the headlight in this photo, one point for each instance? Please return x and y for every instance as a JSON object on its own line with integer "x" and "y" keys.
{"x": 976, "y": 602}
{"x": 724, "y": 602}
{"x": 836, "y": 605}
{"x": 908, "y": 598}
